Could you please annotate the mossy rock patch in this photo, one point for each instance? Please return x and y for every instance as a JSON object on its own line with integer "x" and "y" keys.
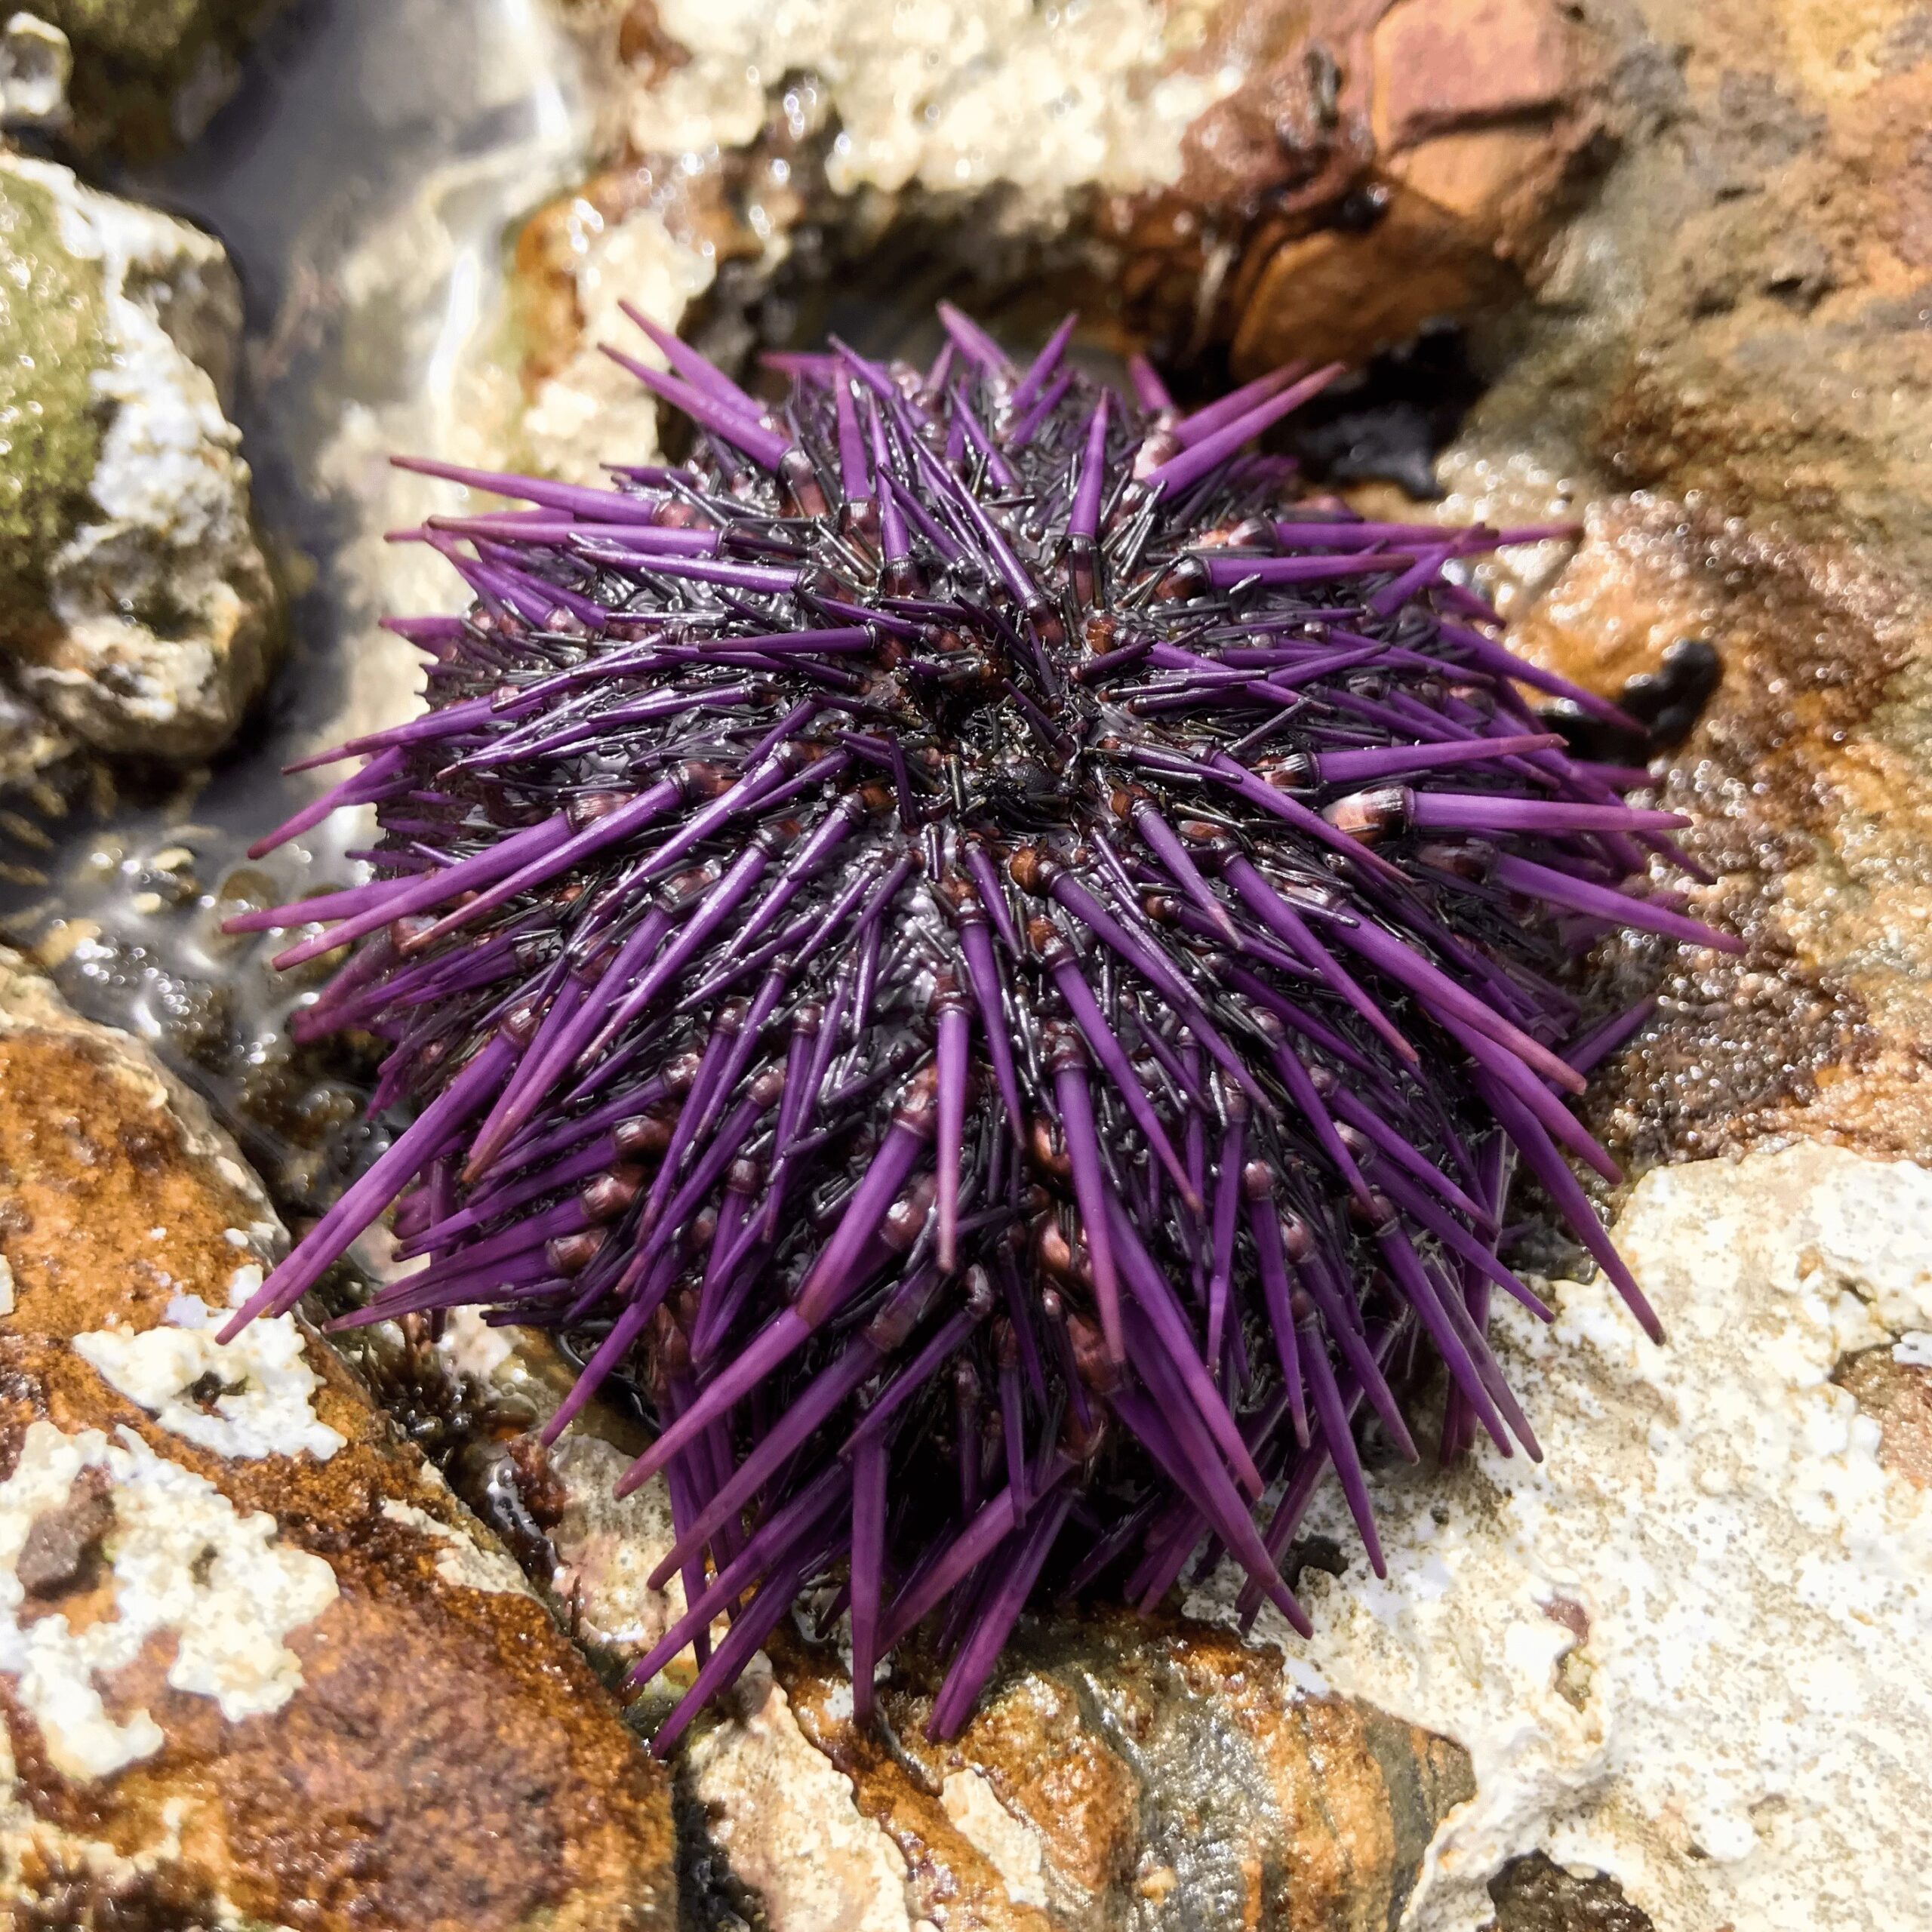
{"x": 51, "y": 342}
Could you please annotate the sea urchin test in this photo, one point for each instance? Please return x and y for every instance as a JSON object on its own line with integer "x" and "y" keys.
{"x": 991, "y": 960}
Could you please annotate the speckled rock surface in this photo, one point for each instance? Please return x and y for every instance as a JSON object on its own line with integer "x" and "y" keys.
{"x": 1680, "y": 1657}
{"x": 1727, "y": 371}
{"x": 1121, "y": 1773}
{"x": 257, "y": 1664}
{"x": 1687, "y": 1650}
{"x": 52, "y": 341}
{"x": 150, "y": 73}
{"x": 1299, "y": 180}
{"x": 730, "y": 135}
{"x": 136, "y": 613}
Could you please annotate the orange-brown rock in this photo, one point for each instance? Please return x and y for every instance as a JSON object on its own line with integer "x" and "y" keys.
{"x": 253, "y": 1656}
{"x": 1139, "y": 1759}
{"x": 1811, "y": 787}
{"x": 1898, "y": 1395}
{"x": 1382, "y": 165}
{"x": 1728, "y": 372}
{"x": 1116, "y": 1759}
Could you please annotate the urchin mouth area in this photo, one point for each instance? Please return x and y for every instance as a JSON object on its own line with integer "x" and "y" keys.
{"x": 991, "y": 956}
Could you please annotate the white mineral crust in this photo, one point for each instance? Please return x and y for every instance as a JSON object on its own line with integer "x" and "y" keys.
{"x": 185, "y": 1563}
{"x": 1742, "y": 1738}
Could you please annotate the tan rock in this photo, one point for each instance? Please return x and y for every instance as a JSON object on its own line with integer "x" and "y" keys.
{"x": 1684, "y": 1649}
{"x": 1336, "y": 295}
{"x": 1731, "y": 328}
{"x": 785, "y": 1819}
{"x": 1127, "y": 1760}
{"x": 1443, "y": 66}
{"x": 1115, "y": 1761}
{"x": 141, "y": 619}
{"x": 252, "y": 1654}
{"x": 1894, "y": 1385}
{"x": 1478, "y": 114}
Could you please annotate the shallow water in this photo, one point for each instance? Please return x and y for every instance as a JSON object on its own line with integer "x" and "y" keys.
{"x": 365, "y": 179}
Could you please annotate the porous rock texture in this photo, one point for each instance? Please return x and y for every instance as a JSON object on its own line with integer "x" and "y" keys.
{"x": 1728, "y": 372}
{"x": 257, "y": 1666}
{"x": 137, "y": 612}
{"x": 1118, "y": 1773}
{"x": 1700, "y": 1625}
{"x": 1687, "y": 1650}
{"x": 1311, "y": 181}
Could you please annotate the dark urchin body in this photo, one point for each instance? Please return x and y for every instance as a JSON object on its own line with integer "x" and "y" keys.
{"x": 989, "y": 961}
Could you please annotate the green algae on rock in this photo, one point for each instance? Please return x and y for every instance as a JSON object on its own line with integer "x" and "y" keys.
{"x": 144, "y": 618}
{"x": 52, "y": 340}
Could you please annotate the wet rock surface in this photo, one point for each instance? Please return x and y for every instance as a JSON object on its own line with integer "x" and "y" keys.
{"x": 1380, "y": 166}
{"x": 1727, "y": 370}
{"x": 1140, "y": 1772}
{"x": 1678, "y": 1657}
{"x": 1691, "y": 237}
{"x": 255, "y": 1659}
{"x": 1250, "y": 179}
{"x": 36, "y": 64}
{"x": 1534, "y": 1894}
{"x": 136, "y": 613}
{"x": 1120, "y": 1773}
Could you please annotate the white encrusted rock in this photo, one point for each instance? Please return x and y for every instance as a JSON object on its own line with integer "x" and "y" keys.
{"x": 159, "y": 612}
{"x": 184, "y": 1564}
{"x": 1030, "y": 111}
{"x": 952, "y": 95}
{"x": 1013, "y": 1846}
{"x": 1689, "y": 1649}
{"x": 785, "y": 1819}
{"x": 262, "y": 1403}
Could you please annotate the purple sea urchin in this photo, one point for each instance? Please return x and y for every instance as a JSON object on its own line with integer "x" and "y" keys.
{"x": 989, "y": 960}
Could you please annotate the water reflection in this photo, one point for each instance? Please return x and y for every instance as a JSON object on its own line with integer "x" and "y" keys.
{"x": 365, "y": 179}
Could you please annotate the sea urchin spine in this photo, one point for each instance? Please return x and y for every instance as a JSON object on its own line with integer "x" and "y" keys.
{"x": 993, "y": 962}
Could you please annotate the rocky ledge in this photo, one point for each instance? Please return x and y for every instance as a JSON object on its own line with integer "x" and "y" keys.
{"x": 257, "y": 1665}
